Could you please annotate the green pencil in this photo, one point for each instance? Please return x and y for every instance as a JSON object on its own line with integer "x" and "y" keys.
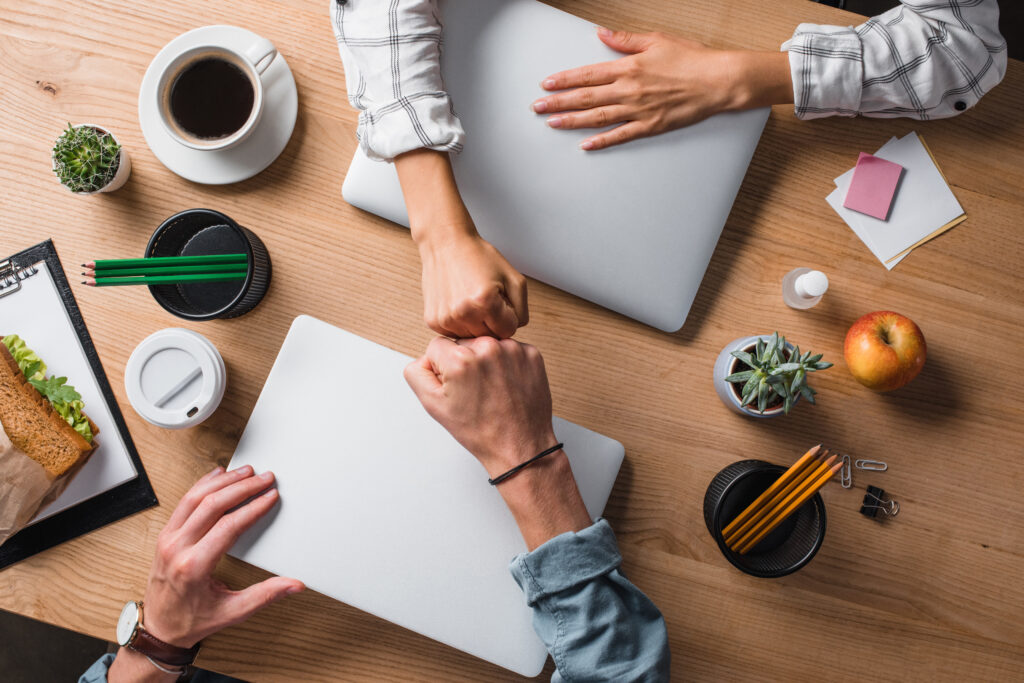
{"x": 162, "y": 279}
{"x": 175, "y": 270}
{"x": 165, "y": 261}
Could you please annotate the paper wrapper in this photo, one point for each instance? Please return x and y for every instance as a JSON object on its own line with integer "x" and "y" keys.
{"x": 25, "y": 487}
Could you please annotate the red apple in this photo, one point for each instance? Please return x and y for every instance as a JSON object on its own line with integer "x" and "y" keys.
{"x": 884, "y": 350}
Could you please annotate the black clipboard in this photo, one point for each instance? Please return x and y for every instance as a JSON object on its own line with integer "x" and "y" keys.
{"x": 117, "y": 503}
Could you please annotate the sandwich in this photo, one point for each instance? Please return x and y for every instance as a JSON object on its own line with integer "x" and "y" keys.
{"x": 43, "y": 417}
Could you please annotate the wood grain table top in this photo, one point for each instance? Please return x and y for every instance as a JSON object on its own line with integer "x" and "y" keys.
{"x": 933, "y": 594}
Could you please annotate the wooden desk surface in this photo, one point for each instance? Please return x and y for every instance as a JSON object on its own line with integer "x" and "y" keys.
{"x": 933, "y": 594}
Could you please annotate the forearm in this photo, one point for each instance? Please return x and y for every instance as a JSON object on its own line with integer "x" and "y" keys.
{"x": 432, "y": 198}
{"x": 133, "y": 667}
{"x": 544, "y": 498}
{"x": 763, "y": 79}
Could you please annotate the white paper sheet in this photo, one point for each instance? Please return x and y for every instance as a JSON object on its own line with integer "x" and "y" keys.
{"x": 923, "y": 203}
{"x": 37, "y": 315}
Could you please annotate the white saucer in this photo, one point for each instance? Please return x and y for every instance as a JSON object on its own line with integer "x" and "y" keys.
{"x": 255, "y": 153}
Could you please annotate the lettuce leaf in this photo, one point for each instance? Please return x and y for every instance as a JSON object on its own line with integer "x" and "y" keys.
{"x": 61, "y": 395}
{"x": 30, "y": 364}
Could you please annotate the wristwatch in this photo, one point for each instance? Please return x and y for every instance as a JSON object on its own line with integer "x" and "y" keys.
{"x": 131, "y": 633}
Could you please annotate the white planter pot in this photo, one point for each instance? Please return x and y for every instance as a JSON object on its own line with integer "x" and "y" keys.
{"x": 725, "y": 365}
{"x": 124, "y": 165}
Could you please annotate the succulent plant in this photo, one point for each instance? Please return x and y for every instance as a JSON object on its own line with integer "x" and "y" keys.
{"x": 85, "y": 159}
{"x": 775, "y": 373}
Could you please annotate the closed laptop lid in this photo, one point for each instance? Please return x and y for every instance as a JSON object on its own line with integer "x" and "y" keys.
{"x": 631, "y": 228}
{"x": 382, "y": 509}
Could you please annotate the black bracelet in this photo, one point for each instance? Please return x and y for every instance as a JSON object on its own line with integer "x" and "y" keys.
{"x": 502, "y": 477}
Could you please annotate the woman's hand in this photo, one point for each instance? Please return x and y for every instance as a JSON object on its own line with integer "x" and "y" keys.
{"x": 469, "y": 289}
{"x": 664, "y": 83}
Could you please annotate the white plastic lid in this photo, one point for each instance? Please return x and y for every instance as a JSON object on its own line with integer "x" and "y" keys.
{"x": 814, "y": 283}
{"x": 175, "y": 378}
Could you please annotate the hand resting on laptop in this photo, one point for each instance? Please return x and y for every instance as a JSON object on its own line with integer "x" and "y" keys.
{"x": 886, "y": 67}
{"x": 664, "y": 82}
{"x": 183, "y": 603}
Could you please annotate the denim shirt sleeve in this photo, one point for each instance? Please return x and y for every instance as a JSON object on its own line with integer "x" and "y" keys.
{"x": 596, "y": 624}
{"x": 97, "y": 673}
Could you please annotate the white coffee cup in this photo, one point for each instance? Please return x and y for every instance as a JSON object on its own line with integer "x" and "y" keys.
{"x": 252, "y": 61}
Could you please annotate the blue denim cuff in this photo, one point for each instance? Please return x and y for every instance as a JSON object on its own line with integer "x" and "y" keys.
{"x": 566, "y": 560}
{"x": 97, "y": 673}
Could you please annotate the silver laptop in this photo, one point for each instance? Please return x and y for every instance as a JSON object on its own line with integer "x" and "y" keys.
{"x": 631, "y": 228}
{"x": 382, "y": 509}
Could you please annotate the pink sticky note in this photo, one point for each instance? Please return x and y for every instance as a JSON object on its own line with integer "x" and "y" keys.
{"x": 873, "y": 186}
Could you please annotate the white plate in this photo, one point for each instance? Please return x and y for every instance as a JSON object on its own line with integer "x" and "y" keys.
{"x": 255, "y": 153}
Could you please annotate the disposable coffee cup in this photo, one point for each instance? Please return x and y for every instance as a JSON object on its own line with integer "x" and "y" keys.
{"x": 211, "y": 97}
{"x": 204, "y": 232}
{"x": 175, "y": 378}
{"x": 783, "y": 551}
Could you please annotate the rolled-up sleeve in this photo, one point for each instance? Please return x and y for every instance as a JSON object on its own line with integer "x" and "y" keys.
{"x": 390, "y": 50}
{"x": 595, "y": 623}
{"x": 923, "y": 60}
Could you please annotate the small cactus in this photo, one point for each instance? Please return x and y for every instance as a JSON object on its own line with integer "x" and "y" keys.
{"x": 85, "y": 159}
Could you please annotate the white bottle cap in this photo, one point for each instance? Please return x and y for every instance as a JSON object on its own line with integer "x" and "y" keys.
{"x": 175, "y": 378}
{"x": 812, "y": 284}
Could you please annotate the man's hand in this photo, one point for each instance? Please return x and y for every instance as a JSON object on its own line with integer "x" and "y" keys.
{"x": 469, "y": 289}
{"x": 663, "y": 83}
{"x": 183, "y": 602}
{"x": 493, "y": 397}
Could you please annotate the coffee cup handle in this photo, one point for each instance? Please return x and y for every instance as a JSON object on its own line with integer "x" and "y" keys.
{"x": 261, "y": 54}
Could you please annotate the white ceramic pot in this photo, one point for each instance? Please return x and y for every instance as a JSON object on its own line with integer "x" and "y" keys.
{"x": 124, "y": 165}
{"x": 725, "y": 365}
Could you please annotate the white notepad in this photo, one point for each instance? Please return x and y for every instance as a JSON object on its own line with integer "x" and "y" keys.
{"x": 923, "y": 204}
{"x": 37, "y": 314}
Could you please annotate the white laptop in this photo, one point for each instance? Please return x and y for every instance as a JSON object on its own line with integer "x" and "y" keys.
{"x": 382, "y": 509}
{"x": 631, "y": 228}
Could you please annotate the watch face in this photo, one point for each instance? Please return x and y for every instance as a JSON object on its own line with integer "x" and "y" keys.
{"x": 127, "y": 623}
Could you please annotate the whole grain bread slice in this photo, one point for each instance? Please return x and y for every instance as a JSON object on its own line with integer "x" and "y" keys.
{"x": 34, "y": 426}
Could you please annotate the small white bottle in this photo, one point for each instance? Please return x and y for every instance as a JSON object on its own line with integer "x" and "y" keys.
{"x": 802, "y": 287}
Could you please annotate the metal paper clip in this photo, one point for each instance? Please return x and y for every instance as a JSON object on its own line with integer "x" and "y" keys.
{"x": 875, "y": 501}
{"x": 845, "y": 473}
{"x": 871, "y": 465}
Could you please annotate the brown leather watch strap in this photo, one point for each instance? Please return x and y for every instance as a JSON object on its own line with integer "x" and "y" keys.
{"x": 165, "y": 653}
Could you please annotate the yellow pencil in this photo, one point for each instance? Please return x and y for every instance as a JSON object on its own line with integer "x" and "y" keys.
{"x": 784, "y": 498}
{"x": 792, "y": 507}
{"x": 777, "y": 486}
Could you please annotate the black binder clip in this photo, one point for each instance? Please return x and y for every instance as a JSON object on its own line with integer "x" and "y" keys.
{"x": 875, "y": 501}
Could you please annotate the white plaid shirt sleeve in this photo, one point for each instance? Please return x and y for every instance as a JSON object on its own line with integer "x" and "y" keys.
{"x": 390, "y": 50}
{"x": 926, "y": 59}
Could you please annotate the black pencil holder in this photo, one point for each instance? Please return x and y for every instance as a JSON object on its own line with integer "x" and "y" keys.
{"x": 201, "y": 232}
{"x": 789, "y": 547}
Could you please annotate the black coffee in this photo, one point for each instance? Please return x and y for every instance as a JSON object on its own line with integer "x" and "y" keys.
{"x": 212, "y": 98}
